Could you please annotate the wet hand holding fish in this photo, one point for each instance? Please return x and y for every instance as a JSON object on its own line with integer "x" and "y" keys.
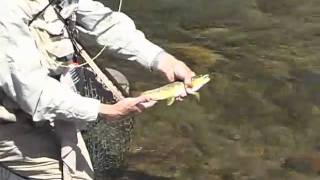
{"x": 176, "y": 89}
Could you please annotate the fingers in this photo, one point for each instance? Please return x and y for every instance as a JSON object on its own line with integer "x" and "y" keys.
{"x": 145, "y": 102}
{"x": 183, "y": 94}
{"x": 165, "y": 66}
{"x": 140, "y": 99}
{"x": 139, "y": 108}
{"x": 173, "y": 69}
{"x": 187, "y": 77}
{"x": 183, "y": 72}
{"x": 125, "y": 108}
{"x": 169, "y": 75}
{"x": 179, "y": 98}
{"x": 188, "y": 80}
{"x": 148, "y": 104}
{"x": 141, "y": 103}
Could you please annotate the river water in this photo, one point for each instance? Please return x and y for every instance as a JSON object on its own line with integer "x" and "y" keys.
{"x": 259, "y": 117}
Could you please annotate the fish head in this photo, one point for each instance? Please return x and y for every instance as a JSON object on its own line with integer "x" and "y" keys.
{"x": 199, "y": 81}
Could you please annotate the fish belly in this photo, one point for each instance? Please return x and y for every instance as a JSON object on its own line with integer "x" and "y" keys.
{"x": 166, "y": 92}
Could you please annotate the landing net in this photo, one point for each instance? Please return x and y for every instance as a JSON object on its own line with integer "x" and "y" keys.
{"x": 107, "y": 141}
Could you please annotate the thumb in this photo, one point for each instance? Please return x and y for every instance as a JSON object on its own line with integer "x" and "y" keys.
{"x": 188, "y": 79}
{"x": 170, "y": 76}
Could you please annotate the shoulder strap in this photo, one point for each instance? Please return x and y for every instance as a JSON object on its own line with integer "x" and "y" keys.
{"x": 42, "y": 11}
{"x": 106, "y": 77}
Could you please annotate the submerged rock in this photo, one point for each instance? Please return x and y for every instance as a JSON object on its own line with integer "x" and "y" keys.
{"x": 309, "y": 164}
{"x": 198, "y": 56}
{"x": 262, "y": 91}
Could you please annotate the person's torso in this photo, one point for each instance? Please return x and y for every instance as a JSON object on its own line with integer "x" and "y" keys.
{"x": 52, "y": 28}
{"x": 53, "y": 41}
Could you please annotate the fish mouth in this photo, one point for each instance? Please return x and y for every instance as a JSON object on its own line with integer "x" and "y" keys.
{"x": 206, "y": 76}
{"x": 199, "y": 81}
{"x": 202, "y": 76}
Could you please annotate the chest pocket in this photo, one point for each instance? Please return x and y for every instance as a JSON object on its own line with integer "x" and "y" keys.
{"x": 52, "y": 39}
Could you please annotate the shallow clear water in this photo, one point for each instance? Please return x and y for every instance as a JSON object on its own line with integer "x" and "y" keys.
{"x": 259, "y": 118}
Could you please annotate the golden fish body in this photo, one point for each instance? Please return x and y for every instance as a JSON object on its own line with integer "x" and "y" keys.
{"x": 176, "y": 89}
{"x": 171, "y": 90}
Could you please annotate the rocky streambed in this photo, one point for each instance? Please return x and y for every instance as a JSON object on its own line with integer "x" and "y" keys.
{"x": 259, "y": 118}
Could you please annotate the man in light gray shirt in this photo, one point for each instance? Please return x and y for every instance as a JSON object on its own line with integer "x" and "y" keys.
{"x": 29, "y": 91}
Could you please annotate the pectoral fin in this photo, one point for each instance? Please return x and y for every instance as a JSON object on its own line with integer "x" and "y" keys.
{"x": 197, "y": 95}
{"x": 170, "y": 101}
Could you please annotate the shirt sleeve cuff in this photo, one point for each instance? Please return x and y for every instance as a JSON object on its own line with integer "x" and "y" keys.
{"x": 148, "y": 53}
{"x": 72, "y": 108}
{"x": 155, "y": 62}
{"x": 88, "y": 110}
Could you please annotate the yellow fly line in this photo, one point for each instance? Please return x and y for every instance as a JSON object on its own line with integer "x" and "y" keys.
{"x": 104, "y": 47}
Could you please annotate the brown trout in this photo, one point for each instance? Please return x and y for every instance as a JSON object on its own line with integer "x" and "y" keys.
{"x": 176, "y": 89}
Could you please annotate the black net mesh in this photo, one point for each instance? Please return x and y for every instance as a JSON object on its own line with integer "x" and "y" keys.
{"x": 107, "y": 141}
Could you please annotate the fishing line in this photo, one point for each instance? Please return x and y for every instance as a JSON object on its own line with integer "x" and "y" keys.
{"x": 104, "y": 47}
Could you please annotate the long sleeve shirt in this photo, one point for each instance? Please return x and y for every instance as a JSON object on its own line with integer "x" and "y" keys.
{"x": 25, "y": 80}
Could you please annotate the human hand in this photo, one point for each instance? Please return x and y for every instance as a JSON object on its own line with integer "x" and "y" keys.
{"x": 173, "y": 69}
{"x": 125, "y": 108}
